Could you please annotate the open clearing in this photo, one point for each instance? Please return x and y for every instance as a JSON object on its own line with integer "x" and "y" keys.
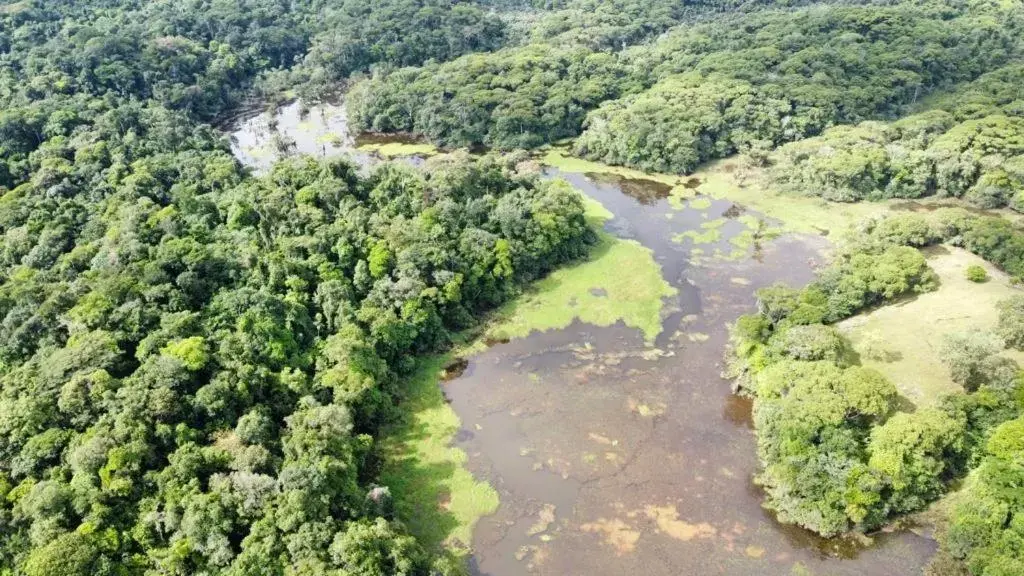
{"x": 910, "y": 334}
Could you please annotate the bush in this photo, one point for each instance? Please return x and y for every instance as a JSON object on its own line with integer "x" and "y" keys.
{"x": 977, "y": 274}
{"x": 973, "y": 360}
{"x": 1011, "y": 321}
{"x": 809, "y": 342}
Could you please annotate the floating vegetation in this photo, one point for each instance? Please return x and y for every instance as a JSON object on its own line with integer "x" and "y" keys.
{"x": 700, "y": 203}
{"x": 397, "y": 149}
{"x": 708, "y": 236}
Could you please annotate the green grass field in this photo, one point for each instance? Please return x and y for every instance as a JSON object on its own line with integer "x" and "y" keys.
{"x": 907, "y": 336}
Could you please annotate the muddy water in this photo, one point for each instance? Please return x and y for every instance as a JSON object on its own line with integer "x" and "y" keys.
{"x": 613, "y": 457}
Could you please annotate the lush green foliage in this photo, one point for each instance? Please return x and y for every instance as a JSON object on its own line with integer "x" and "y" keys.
{"x": 747, "y": 80}
{"x": 517, "y": 97}
{"x": 527, "y": 95}
{"x": 113, "y": 81}
{"x": 192, "y": 379}
{"x": 1011, "y": 322}
{"x": 973, "y": 360}
{"x": 986, "y": 528}
{"x": 969, "y": 145}
{"x": 993, "y": 238}
{"x": 356, "y": 34}
{"x": 195, "y": 364}
{"x": 976, "y": 273}
{"x": 746, "y": 89}
{"x": 836, "y": 453}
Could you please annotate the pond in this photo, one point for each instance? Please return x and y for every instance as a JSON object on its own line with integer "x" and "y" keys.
{"x": 616, "y": 454}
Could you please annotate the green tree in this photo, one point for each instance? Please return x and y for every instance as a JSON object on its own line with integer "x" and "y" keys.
{"x": 1011, "y": 321}
{"x": 972, "y": 357}
{"x": 375, "y": 548}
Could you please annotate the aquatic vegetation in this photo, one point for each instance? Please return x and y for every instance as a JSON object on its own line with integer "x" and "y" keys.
{"x": 633, "y": 298}
{"x": 396, "y": 149}
{"x": 434, "y": 494}
{"x": 697, "y": 237}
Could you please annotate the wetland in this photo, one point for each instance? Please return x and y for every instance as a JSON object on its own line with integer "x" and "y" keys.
{"x": 589, "y": 426}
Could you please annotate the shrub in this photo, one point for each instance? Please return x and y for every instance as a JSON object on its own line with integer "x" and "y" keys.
{"x": 976, "y": 273}
{"x": 809, "y": 342}
{"x": 972, "y": 359}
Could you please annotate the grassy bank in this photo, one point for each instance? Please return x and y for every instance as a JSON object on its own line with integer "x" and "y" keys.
{"x": 434, "y": 493}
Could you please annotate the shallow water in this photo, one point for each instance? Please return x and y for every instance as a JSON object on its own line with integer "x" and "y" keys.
{"x": 322, "y": 131}
{"x": 614, "y": 457}
{"x": 644, "y": 456}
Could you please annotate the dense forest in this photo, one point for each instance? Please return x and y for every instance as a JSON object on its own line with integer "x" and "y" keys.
{"x": 197, "y": 363}
{"x": 968, "y": 144}
{"x": 837, "y": 453}
{"x": 705, "y": 89}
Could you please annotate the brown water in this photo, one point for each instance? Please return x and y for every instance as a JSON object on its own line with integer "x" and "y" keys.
{"x": 612, "y": 457}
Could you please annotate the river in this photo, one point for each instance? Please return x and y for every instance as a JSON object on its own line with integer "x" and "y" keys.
{"x": 610, "y": 455}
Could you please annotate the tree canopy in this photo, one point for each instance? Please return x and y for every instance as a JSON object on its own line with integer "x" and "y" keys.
{"x": 195, "y": 363}
{"x": 837, "y": 452}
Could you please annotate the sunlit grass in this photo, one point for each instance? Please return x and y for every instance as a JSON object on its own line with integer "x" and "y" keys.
{"x": 435, "y": 495}
{"x": 903, "y": 340}
{"x": 396, "y": 149}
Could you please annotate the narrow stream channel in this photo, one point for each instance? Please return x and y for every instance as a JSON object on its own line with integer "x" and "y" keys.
{"x": 611, "y": 456}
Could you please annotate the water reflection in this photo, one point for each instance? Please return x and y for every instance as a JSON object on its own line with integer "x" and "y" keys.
{"x": 646, "y": 192}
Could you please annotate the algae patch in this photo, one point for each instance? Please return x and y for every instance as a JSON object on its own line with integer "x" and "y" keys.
{"x": 396, "y": 149}
{"x": 618, "y": 281}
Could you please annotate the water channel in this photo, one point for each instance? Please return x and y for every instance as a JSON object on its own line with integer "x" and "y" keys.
{"x": 610, "y": 455}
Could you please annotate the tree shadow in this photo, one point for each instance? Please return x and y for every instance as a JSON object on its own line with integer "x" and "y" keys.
{"x": 904, "y": 404}
{"x": 421, "y": 468}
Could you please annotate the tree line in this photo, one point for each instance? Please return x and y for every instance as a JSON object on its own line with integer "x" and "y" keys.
{"x": 838, "y": 454}
{"x": 746, "y": 81}
{"x": 968, "y": 145}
